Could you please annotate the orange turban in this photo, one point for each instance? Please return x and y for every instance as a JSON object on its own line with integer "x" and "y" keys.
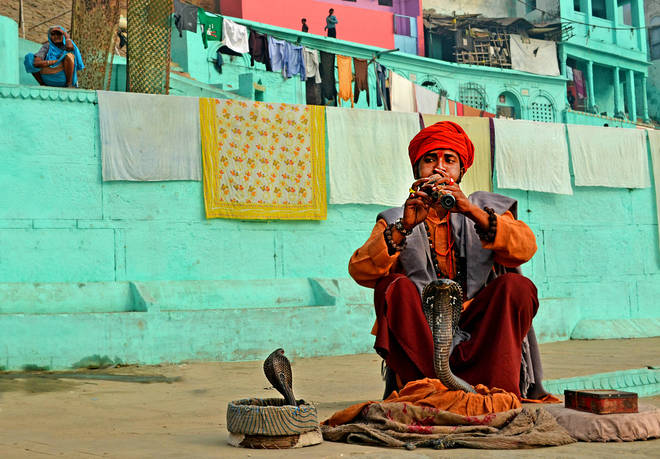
{"x": 443, "y": 135}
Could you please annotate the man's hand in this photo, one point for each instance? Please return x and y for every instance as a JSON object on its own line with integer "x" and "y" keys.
{"x": 417, "y": 205}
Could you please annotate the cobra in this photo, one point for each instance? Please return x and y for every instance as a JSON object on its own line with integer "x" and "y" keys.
{"x": 441, "y": 302}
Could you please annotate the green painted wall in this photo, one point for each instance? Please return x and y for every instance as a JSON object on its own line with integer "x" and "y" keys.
{"x": 135, "y": 271}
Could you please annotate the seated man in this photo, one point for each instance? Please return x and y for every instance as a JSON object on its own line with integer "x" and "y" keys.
{"x": 479, "y": 244}
{"x": 57, "y": 62}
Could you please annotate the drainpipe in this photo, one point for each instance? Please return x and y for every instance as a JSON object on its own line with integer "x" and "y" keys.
{"x": 632, "y": 108}
{"x": 617, "y": 92}
{"x": 591, "y": 100}
{"x": 645, "y": 105}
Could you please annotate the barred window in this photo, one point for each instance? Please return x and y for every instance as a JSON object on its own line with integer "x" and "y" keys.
{"x": 473, "y": 95}
{"x": 541, "y": 109}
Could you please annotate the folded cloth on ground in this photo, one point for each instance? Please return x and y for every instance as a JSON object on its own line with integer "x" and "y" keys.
{"x": 399, "y": 424}
{"x": 263, "y": 160}
{"x": 532, "y": 156}
{"x": 585, "y": 426}
{"x": 147, "y": 137}
{"x": 479, "y": 177}
{"x": 364, "y": 148}
{"x": 431, "y": 393}
{"x": 611, "y": 157}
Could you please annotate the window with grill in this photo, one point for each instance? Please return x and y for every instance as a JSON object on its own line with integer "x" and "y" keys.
{"x": 473, "y": 95}
{"x": 541, "y": 109}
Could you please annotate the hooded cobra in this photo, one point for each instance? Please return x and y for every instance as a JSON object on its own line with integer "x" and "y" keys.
{"x": 277, "y": 369}
{"x": 441, "y": 302}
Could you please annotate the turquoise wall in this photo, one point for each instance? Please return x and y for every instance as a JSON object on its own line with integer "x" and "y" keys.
{"x": 135, "y": 271}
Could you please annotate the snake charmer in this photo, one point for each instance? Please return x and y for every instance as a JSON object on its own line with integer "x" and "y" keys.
{"x": 480, "y": 244}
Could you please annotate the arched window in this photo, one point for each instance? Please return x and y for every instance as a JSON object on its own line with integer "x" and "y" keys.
{"x": 542, "y": 109}
{"x": 654, "y": 37}
{"x": 473, "y": 95}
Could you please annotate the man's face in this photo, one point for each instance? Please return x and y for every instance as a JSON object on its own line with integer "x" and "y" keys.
{"x": 56, "y": 36}
{"x": 440, "y": 159}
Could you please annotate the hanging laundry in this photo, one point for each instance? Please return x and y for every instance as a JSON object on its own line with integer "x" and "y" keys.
{"x": 533, "y": 56}
{"x": 532, "y": 156}
{"x": 278, "y": 52}
{"x": 402, "y": 94}
{"x": 235, "y": 36}
{"x": 361, "y": 78}
{"x": 471, "y": 111}
{"x": 345, "y": 77}
{"x": 312, "y": 64}
{"x": 258, "y": 47}
{"x": 360, "y": 173}
{"x": 295, "y": 62}
{"x": 443, "y": 105}
{"x": 578, "y": 77}
{"x": 263, "y": 160}
{"x": 611, "y": 157}
{"x": 312, "y": 70}
{"x": 455, "y": 108}
{"x": 654, "y": 143}
{"x": 382, "y": 91}
{"x": 185, "y": 17}
{"x": 134, "y": 147}
{"x": 328, "y": 85}
{"x": 426, "y": 100}
{"x": 569, "y": 73}
{"x": 211, "y": 26}
{"x": 479, "y": 177}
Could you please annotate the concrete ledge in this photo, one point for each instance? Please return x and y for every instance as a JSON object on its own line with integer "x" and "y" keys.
{"x": 47, "y": 93}
{"x": 617, "y": 329}
{"x": 643, "y": 381}
{"x": 59, "y": 325}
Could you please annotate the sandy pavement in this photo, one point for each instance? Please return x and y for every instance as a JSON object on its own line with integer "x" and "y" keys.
{"x": 185, "y": 417}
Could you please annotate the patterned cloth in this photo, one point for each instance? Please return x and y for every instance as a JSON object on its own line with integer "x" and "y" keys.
{"x": 262, "y": 160}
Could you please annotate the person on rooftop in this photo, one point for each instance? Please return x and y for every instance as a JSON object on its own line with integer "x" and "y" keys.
{"x": 304, "y": 25}
{"x": 330, "y": 23}
{"x": 480, "y": 244}
{"x": 57, "y": 61}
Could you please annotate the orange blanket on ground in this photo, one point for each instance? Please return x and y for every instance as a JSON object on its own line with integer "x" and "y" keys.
{"x": 432, "y": 393}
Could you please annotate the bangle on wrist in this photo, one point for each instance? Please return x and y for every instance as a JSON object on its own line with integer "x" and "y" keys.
{"x": 393, "y": 247}
{"x": 488, "y": 235}
{"x": 401, "y": 228}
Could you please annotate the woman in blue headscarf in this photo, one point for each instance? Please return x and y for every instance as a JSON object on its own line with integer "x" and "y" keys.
{"x": 57, "y": 62}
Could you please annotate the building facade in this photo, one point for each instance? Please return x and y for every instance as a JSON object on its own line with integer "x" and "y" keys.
{"x": 384, "y": 23}
{"x": 652, "y": 13}
{"x": 608, "y": 47}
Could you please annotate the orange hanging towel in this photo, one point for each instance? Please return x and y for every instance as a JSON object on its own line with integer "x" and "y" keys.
{"x": 345, "y": 77}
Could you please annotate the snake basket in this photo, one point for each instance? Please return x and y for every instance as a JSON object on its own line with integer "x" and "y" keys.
{"x": 266, "y": 423}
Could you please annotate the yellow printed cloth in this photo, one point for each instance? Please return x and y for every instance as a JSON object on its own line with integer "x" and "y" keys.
{"x": 479, "y": 177}
{"x": 263, "y": 160}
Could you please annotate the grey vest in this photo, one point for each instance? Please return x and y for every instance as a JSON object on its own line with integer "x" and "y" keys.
{"x": 416, "y": 258}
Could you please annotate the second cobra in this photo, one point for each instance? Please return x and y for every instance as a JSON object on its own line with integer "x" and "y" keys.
{"x": 441, "y": 302}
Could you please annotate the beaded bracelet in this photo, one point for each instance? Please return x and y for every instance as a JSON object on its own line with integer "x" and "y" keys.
{"x": 392, "y": 247}
{"x": 401, "y": 229}
{"x": 489, "y": 234}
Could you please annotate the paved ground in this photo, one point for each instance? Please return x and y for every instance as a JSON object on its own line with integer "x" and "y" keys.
{"x": 186, "y": 418}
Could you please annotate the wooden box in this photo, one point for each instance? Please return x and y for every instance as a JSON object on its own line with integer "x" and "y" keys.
{"x": 601, "y": 401}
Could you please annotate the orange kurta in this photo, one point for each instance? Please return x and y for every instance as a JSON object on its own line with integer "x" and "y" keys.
{"x": 514, "y": 245}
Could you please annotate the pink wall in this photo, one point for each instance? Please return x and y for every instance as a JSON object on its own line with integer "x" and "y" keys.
{"x": 367, "y": 26}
